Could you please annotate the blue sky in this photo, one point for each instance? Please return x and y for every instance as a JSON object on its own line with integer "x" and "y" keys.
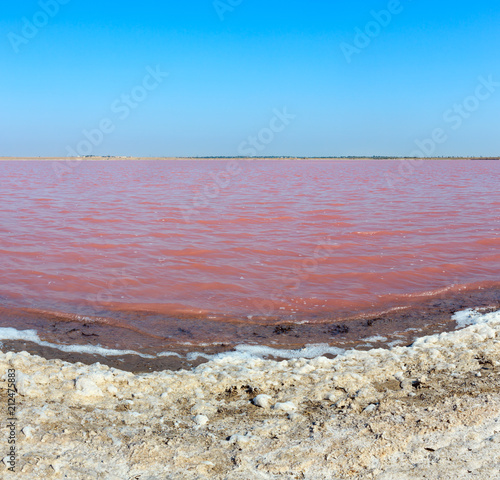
{"x": 232, "y": 65}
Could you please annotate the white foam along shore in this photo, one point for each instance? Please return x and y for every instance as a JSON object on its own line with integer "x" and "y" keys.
{"x": 462, "y": 319}
{"x": 431, "y": 410}
{"x": 257, "y": 351}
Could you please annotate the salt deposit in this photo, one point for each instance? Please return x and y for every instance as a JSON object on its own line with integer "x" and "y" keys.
{"x": 32, "y": 336}
{"x": 201, "y": 419}
{"x": 408, "y": 412}
{"x": 262, "y": 400}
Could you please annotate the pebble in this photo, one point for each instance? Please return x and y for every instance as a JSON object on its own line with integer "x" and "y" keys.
{"x": 370, "y": 408}
{"x": 285, "y": 406}
{"x": 201, "y": 419}
{"x": 262, "y": 400}
{"x": 87, "y": 387}
{"x": 27, "y": 431}
{"x": 241, "y": 439}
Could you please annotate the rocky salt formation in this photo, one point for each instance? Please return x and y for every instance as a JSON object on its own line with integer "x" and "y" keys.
{"x": 431, "y": 410}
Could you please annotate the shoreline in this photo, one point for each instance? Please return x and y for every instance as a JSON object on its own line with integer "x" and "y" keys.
{"x": 185, "y": 350}
{"x": 429, "y": 410}
{"x": 282, "y": 158}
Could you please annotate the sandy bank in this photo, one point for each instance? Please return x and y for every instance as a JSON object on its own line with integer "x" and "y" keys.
{"x": 431, "y": 410}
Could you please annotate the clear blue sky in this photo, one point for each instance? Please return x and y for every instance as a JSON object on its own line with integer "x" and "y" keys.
{"x": 228, "y": 76}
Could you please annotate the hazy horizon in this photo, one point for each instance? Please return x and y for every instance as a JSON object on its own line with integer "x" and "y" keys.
{"x": 270, "y": 157}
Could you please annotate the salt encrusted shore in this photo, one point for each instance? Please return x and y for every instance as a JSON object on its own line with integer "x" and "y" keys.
{"x": 430, "y": 411}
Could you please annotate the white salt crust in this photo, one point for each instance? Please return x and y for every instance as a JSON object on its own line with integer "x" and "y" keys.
{"x": 408, "y": 412}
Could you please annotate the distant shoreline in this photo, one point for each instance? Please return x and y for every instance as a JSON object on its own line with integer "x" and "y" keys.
{"x": 124, "y": 158}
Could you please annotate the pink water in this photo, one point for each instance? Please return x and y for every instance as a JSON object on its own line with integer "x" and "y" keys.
{"x": 275, "y": 238}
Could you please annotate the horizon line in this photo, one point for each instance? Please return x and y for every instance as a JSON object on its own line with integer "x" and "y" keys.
{"x": 277, "y": 157}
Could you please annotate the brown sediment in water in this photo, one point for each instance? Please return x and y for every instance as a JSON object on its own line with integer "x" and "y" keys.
{"x": 397, "y": 326}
